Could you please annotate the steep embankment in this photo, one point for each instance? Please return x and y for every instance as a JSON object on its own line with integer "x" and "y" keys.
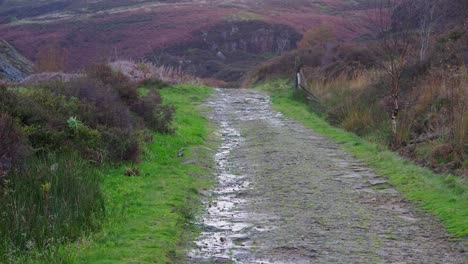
{"x": 228, "y": 50}
{"x": 13, "y": 65}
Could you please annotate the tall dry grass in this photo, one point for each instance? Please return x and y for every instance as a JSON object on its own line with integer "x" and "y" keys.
{"x": 441, "y": 100}
{"x": 344, "y": 100}
{"x": 433, "y": 108}
{"x": 140, "y": 71}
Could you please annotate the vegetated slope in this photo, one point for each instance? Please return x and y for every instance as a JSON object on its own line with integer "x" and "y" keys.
{"x": 141, "y": 29}
{"x": 54, "y": 138}
{"x": 13, "y": 65}
{"x": 354, "y": 88}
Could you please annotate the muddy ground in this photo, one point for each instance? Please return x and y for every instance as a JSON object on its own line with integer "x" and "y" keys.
{"x": 288, "y": 195}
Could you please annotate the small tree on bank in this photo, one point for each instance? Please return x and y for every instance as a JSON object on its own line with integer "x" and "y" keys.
{"x": 393, "y": 45}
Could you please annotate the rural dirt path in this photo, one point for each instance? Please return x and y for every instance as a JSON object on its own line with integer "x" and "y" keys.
{"x": 288, "y": 195}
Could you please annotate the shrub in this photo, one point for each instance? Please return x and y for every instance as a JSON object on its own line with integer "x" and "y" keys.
{"x": 149, "y": 107}
{"x": 53, "y": 197}
{"x": 348, "y": 60}
{"x": 358, "y": 121}
{"x": 13, "y": 148}
{"x": 161, "y": 121}
{"x": 86, "y": 140}
{"x": 156, "y": 116}
{"x": 120, "y": 144}
{"x": 126, "y": 89}
{"x": 105, "y": 107}
{"x": 20, "y": 107}
{"x": 442, "y": 154}
{"x": 41, "y": 115}
{"x": 101, "y": 104}
{"x": 45, "y": 139}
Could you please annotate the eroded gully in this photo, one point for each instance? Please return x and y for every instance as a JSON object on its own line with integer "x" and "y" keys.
{"x": 288, "y": 195}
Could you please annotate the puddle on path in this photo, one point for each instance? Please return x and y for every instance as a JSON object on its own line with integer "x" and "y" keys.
{"x": 224, "y": 221}
{"x": 287, "y": 195}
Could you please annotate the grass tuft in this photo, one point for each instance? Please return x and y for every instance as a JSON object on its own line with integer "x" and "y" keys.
{"x": 50, "y": 201}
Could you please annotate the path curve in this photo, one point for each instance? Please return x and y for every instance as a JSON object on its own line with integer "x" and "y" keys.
{"x": 288, "y": 195}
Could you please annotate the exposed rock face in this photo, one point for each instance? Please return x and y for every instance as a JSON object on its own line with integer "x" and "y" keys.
{"x": 9, "y": 72}
{"x": 13, "y": 66}
{"x": 228, "y": 50}
{"x": 252, "y": 37}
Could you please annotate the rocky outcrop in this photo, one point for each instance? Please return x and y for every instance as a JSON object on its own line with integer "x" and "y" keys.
{"x": 13, "y": 66}
{"x": 251, "y": 36}
{"x": 228, "y": 50}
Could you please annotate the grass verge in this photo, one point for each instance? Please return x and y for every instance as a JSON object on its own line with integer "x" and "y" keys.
{"x": 148, "y": 214}
{"x": 444, "y": 196}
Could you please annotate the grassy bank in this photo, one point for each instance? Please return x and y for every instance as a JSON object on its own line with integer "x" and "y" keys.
{"x": 64, "y": 152}
{"x": 445, "y": 196}
{"x": 149, "y": 213}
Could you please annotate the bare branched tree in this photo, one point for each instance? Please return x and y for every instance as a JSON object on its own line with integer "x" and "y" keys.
{"x": 427, "y": 21}
{"x": 281, "y": 45}
{"x": 393, "y": 46}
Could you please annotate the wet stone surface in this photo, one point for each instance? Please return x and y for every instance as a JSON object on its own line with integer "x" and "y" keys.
{"x": 288, "y": 195}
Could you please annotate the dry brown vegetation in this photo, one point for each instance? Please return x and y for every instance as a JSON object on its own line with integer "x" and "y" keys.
{"x": 433, "y": 121}
{"x": 143, "y": 71}
{"x": 364, "y": 85}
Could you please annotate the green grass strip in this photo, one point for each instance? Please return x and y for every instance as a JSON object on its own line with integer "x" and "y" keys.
{"x": 444, "y": 196}
{"x": 148, "y": 215}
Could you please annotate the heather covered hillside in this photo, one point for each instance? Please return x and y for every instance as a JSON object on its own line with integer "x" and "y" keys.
{"x": 86, "y": 32}
{"x": 234, "y": 131}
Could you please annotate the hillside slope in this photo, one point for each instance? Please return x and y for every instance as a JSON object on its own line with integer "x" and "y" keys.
{"x": 101, "y": 30}
{"x": 404, "y": 88}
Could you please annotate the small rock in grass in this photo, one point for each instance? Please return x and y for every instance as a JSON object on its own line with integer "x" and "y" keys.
{"x": 54, "y": 167}
{"x": 180, "y": 153}
{"x": 132, "y": 172}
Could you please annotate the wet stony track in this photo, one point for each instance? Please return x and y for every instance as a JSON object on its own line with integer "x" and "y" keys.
{"x": 288, "y": 195}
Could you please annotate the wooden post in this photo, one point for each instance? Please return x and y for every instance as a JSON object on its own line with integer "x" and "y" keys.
{"x": 298, "y": 77}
